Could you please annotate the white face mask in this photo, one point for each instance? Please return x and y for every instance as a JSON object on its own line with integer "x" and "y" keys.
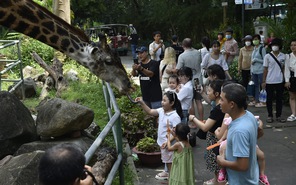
{"x": 247, "y": 43}
{"x": 275, "y": 48}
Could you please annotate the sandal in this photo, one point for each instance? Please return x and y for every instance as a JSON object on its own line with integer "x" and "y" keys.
{"x": 252, "y": 103}
{"x": 269, "y": 120}
{"x": 162, "y": 176}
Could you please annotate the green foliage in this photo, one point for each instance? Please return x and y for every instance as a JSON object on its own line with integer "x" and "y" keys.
{"x": 30, "y": 45}
{"x": 134, "y": 120}
{"x": 90, "y": 95}
{"x": 233, "y": 70}
{"x": 147, "y": 145}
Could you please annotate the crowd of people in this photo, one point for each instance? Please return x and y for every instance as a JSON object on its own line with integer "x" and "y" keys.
{"x": 176, "y": 80}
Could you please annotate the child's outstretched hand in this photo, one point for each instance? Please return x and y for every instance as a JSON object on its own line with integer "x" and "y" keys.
{"x": 138, "y": 99}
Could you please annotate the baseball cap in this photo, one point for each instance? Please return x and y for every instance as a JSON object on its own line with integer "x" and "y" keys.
{"x": 141, "y": 49}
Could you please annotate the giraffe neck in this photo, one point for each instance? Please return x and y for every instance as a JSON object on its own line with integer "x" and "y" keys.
{"x": 31, "y": 19}
{"x": 37, "y": 22}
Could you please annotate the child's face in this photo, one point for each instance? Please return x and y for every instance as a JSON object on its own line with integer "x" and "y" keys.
{"x": 166, "y": 105}
{"x": 173, "y": 83}
{"x": 211, "y": 94}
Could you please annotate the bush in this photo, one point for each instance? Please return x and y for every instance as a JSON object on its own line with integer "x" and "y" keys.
{"x": 147, "y": 145}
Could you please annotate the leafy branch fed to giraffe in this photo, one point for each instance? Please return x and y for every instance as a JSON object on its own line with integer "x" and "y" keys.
{"x": 33, "y": 20}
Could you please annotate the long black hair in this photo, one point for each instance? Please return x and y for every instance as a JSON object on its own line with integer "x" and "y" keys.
{"x": 177, "y": 104}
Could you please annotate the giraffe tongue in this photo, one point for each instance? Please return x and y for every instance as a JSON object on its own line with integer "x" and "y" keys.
{"x": 130, "y": 98}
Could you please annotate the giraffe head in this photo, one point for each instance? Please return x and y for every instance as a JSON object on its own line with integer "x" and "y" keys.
{"x": 33, "y": 20}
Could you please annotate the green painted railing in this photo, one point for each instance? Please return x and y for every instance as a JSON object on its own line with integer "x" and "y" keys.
{"x": 114, "y": 124}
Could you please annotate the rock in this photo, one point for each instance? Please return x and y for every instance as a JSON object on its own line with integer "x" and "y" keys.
{"x": 57, "y": 117}
{"x": 16, "y": 124}
{"x": 22, "y": 169}
{"x": 29, "y": 89}
{"x": 29, "y": 71}
{"x": 83, "y": 143}
{"x": 71, "y": 75}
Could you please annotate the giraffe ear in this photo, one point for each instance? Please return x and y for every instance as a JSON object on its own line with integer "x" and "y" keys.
{"x": 103, "y": 42}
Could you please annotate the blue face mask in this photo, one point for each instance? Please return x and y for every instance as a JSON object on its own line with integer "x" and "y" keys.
{"x": 228, "y": 36}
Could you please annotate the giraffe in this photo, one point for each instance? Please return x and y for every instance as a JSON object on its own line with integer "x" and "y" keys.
{"x": 33, "y": 20}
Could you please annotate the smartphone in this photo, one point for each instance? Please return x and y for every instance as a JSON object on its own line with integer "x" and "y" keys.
{"x": 196, "y": 84}
{"x": 136, "y": 61}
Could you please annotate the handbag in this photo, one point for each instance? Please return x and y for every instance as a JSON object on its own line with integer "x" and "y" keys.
{"x": 201, "y": 134}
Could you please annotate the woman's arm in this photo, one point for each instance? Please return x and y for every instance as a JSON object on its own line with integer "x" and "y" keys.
{"x": 203, "y": 126}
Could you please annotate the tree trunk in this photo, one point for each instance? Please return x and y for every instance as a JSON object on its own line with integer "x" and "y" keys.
{"x": 61, "y": 8}
{"x": 56, "y": 72}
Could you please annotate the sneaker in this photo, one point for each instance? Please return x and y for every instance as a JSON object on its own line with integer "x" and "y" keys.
{"x": 204, "y": 102}
{"x": 210, "y": 182}
{"x": 264, "y": 180}
{"x": 291, "y": 118}
{"x": 260, "y": 104}
{"x": 162, "y": 176}
{"x": 222, "y": 175}
{"x": 251, "y": 103}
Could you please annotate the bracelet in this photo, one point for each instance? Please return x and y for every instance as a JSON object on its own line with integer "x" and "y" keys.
{"x": 193, "y": 118}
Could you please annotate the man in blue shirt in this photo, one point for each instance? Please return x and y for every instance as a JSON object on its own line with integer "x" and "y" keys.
{"x": 240, "y": 159}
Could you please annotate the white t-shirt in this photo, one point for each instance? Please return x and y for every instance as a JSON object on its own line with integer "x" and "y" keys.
{"x": 208, "y": 61}
{"x": 274, "y": 74}
{"x": 173, "y": 118}
{"x": 290, "y": 65}
{"x": 185, "y": 95}
{"x": 155, "y": 56}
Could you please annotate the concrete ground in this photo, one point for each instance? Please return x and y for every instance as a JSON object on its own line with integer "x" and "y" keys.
{"x": 278, "y": 144}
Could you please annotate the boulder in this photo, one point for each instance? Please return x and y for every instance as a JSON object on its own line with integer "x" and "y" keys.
{"x": 71, "y": 75}
{"x": 57, "y": 117}
{"x": 83, "y": 143}
{"x": 29, "y": 89}
{"x": 22, "y": 169}
{"x": 16, "y": 124}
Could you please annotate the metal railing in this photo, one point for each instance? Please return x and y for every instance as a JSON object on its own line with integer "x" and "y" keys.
{"x": 114, "y": 124}
{"x": 11, "y": 64}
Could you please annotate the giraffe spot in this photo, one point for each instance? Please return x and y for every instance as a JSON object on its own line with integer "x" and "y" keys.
{"x": 54, "y": 38}
{"x": 22, "y": 27}
{"x": 65, "y": 44}
{"x": 75, "y": 38}
{"x": 75, "y": 45}
{"x": 71, "y": 50}
{"x": 49, "y": 25}
{"x": 84, "y": 63}
{"x": 35, "y": 31}
{"x": 24, "y": 12}
{"x": 82, "y": 50}
{"x": 62, "y": 31}
{"x": 10, "y": 19}
{"x": 42, "y": 38}
{"x": 5, "y": 4}
{"x": 91, "y": 63}
{"x": 45, "y": 31}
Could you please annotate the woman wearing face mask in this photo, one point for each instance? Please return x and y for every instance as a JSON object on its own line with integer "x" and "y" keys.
{"x": 244, "y": 61}
{"x": 273, "y": 79}
{"x": 257, "y": 68}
